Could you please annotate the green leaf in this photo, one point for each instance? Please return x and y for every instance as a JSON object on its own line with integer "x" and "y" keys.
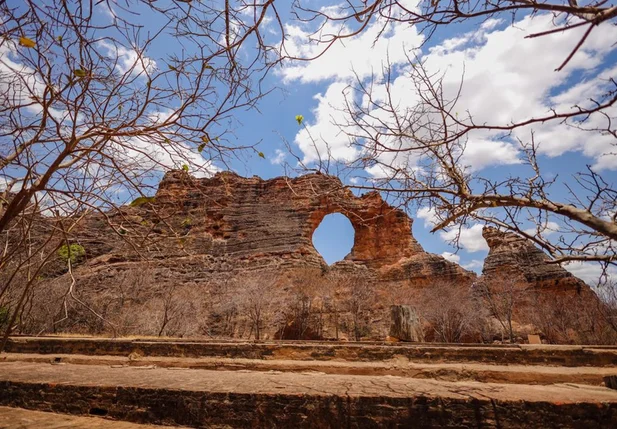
{"x": 208, "y": 67}
{"x": 59, "y": 39}
{"x": 185, "y": 167}
{"x": 261, "y": 155}
{"x": 205, "y": 139}
{"x": 167, "y": 140}
{"x": 80, "y": 72}
{"x": 299, "y": 119}
{"x": 26, "y": 43}
{"x": 172, "y": 67}
{"x": 201, "y": 147}
{"x": 141, "y": 201}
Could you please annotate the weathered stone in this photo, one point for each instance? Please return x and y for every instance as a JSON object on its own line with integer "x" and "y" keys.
{"x": 511, "y": 255}
{"x": 405, "y": 323}
{"x": 196, "y": 232}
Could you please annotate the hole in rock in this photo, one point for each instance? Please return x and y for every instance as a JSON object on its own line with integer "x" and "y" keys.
{"x": 98, "y": 411}
{"x": 334, "y": 238}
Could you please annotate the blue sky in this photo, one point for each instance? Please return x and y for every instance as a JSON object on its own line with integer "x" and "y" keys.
{"x": 507, "y": 77}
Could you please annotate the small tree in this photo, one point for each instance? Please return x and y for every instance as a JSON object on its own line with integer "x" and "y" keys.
{"x": 501, "y": 296}
{"x": 256, "y": 301}
{"x": 360, "y": 299}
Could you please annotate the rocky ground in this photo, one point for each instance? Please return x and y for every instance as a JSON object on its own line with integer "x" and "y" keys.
{"x": 311, "y": 384}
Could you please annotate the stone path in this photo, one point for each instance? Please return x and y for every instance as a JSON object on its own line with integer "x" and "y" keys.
{"x": 306, "y": 385}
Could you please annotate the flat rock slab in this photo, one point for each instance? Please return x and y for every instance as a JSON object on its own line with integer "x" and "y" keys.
{"x": 521, "y": 374}
{"x": 573, "y": 356}
{"x": 18, "y": 418}
{"x": 282, "y": 399}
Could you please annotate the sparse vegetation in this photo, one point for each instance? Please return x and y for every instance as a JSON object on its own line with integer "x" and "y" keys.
{"x": 73, "y": 252}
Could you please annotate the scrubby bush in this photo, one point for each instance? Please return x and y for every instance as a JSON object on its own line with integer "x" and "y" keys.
{"x": 74, "y": 252}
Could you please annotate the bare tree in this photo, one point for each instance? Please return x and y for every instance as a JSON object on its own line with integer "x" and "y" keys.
{"x": 95, "y": 106}
{"x": 256, "y": 298}
{"x": 503, "y": 296}
{"x": 450, "y": 313}
{"x": 359, "y": 301}
{"x": 416, "y": 151}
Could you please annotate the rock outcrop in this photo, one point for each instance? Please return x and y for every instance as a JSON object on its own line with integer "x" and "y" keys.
{"x": 204, "y": 256}
{"x": 511, "y": 255}
{"x": 259, "y": 219}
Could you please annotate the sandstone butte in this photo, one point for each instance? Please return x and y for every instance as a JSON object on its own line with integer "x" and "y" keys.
{"x": 229, "y": 227}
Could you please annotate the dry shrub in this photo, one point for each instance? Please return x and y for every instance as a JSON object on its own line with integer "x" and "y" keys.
{"x": 573, "y": 318}
{"x": 451, "y": 314}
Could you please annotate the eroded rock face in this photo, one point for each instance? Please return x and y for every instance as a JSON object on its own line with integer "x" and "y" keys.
{"x": 201, "y": 249}
{"x": 192, "y": 261}
{"x": 263, "y": 218}
{"x": 513, "y": 255}
{"x": 279, "y": 216}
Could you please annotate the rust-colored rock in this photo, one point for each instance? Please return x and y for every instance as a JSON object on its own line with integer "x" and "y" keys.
{"x": 279, "y": 216}
{"x": 181, "y": 264}
{"x": 514, "y": 256}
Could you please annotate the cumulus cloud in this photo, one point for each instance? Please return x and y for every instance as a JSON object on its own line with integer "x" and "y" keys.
{"x": 590, "y": 272}
{"x": 129, "y": 60}
{"x": 145, "y": 153}
{"x": 323, "y": 138}
{"x": 474, "y": 265}
{"x": 279, "y": 157}
{"x": 469, "y": 238}
{"x": 452, "y": 257}
{"x": 21, "y": 86}
{"x": 428, "y": 215}
{"x": 507, "y": 78}
{"x": 544, "y": 229}
{"x": 359, "y": 56}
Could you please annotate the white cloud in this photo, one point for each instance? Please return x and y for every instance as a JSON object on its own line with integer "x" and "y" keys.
{"x": 429, "y": 215}
{"x": 590, "y": 272}
{"x": 279, "y": 157}
{"x": 469, "y": 238}
{"x": 544, "y": 229}
{"x": 145, "y": 153}
{"x": 452, "y": 257}
{"x": 129, "y": 60}
{"x": 361, "y": 55}
{"x": 481, "y": 153}
{"x": 506, "y": 78}
{"x": 474, "y": 265}
{"x": 107, "y": 10}
{"x": 324, "y": 139}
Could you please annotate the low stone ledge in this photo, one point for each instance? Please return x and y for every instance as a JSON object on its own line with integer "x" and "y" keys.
{"x": 570, "y": 356}
{"x": 245, "y": 410}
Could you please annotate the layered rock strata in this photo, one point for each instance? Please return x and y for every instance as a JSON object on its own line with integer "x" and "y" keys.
{"x": 513, "y": 256}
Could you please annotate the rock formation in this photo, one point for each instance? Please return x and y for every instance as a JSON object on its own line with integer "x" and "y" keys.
{"x": 514, "y": 256}
{"x": 266, "y": 219}
{"x": 202, "y": 254}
